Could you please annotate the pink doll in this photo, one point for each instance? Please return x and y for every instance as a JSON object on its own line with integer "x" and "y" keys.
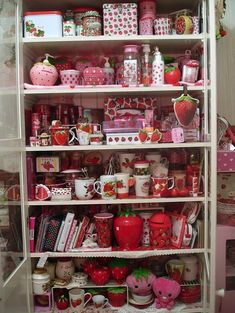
{"x": 140, "y": 281}
{"x": 166, "y": 290}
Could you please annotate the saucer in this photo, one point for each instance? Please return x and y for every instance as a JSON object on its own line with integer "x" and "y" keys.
{"x": 141, "y": 305}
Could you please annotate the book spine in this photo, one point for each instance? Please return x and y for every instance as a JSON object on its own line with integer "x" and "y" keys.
{"x": 70, "y": 236}
{"x": 73, "y": 239}
{"x": 59, "y": 235}
{"x": 81, "y": 235}
{"x": 64, "y": 236}
{"x": 32, "y": 221}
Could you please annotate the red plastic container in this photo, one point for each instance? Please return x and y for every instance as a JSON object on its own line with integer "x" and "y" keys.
{"x": 160, "y": 230}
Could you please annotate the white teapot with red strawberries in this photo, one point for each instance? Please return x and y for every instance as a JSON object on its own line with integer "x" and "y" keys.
{"x": 44, "y": 73}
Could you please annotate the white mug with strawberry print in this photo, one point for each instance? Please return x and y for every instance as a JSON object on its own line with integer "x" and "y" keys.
{"x": 84, "y": 188}
{"x": 76, "y": 299}
{"x": 124, "y": 181}
{"x": 142, "y": 185}
{"x": 107, "y": 187}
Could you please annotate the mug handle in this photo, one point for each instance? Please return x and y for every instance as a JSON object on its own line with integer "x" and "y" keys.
{"x": 106, "y": 302}
{"x": 166, "y": 267}
{"x": 72, "y": 134}
{"x": 97, "y": 187}
{"x": 90, "y": 296}
{"x": 172, "y": 184}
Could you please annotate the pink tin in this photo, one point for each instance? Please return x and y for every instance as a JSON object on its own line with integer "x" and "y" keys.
{"x": 195, "y": 25}
{"x": 70, "y": 77}
{"x": 146, "y": 26}
{"x": 147, "y": 8}
{"x": 162, "y": 26}
{"x": 120, "y": 19}
{"x": 93, "y": 76}
{"x": 226, "y": 161}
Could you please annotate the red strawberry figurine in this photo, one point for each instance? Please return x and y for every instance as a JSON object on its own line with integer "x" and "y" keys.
{"x": 156, "y": 136}
{"x": 143, "y": 135}
{"x": 100, "y": 276}
{"x": 172, "y": 75}
{"x": 62, "y": 303}
{"x": 63, "y": 63}
{"x": 185, "y": 107}
{"x": 119, "y": 270}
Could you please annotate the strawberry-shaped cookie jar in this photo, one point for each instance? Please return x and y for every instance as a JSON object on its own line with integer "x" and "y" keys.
{"x": 119, "y": 270}
{"x": 128, "y": 229}
{"x": 44, "y": 73}
{"x": 185, "y": 107}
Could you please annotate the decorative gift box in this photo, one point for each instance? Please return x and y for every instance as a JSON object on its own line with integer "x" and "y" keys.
{"x": 93, "y": 76}
{"x": 122, "y": 126}
{"x": 122, "y": 139}
{"x": 113, "y": 105}
{"x": 120, "y": 19}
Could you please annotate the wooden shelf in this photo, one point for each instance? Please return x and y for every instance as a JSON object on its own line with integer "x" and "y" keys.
{"x": 118, "y": 254}
{"x": 109, "y": 44}
{"x": 130, "y": 200}
{"x": 121, "y": 147}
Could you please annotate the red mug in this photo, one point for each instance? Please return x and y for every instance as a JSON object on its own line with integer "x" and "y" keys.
{"x": 161, "y": 183}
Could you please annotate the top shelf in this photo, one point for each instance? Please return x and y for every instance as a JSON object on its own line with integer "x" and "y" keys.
{"x": 163, "y": 6}
{"x": 109, "y": 44}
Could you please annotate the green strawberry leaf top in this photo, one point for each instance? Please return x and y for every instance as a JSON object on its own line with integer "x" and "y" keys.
{"x": 186, "y": 98}
{"x": 169, "y": 68}
{"x": 118, "y": 262}
{"x": 117, "y": 290}
{"x": 127, "y": 213}
{"x": 140, "y": 273}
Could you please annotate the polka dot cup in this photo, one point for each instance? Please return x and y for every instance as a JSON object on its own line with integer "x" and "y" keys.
{"x": 70, "y": 77}
{"x": 162, "y": 26}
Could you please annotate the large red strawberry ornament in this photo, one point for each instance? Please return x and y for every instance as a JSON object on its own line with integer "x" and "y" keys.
{"x": 172, "y": 74}
{"x": 100, "y": 276}
{"x": 185, "y": 107}
{"x": 119, "y": 270}
{"x": 62, "y": 302}
{"x": 43, "y": 73}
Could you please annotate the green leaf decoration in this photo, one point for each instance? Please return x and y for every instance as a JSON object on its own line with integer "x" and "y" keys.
{"x": 127, "y": 213}
{"x": 117, "y": 289}
{"x": 141, "y": 272}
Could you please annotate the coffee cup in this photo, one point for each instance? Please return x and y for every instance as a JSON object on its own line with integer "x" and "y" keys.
{"x": 124, "y": 181}
{"x": 161, "y": 183}
{"x": 174, "y": 269}
{"x": 142, "y": 184}
{"x": 127, "y": 161}
{"x": 107, "y": 187}
{"x": 76, "y": 300}
{"x": 84, "y": 188}
{"x": 100, "y": 301}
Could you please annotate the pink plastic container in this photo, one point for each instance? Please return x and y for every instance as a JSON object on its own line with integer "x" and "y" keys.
{"x": 147, "y": 8}
{"x": 162, "y": 26}
{"x": 146, "y": 26}
{"x": 93, "y": 76}
{"x": 70, "y": 77}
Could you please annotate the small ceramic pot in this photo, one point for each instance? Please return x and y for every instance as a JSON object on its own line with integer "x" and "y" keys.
{"x": 84, "y": 188}
{"x": 65, "y": 268}
{"x": 80, "y": 279}
{"x": 70, "y": 77}
{"x": 41, "y": 281}
{"x": 93, "y": 76}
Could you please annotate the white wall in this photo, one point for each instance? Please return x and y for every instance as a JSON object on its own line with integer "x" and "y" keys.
{"x": 226, "y": 66}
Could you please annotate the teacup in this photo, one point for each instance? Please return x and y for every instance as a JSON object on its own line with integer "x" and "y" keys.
{"x": 107, "y": 187}
{"x": 84, "y": 188}
{"x": 161, "y": 183}
{"x": 127, "y": 161}
{"x": 100, "y": 301}
{"x": 142, "y": 299}
{"x": 76, "y": 299}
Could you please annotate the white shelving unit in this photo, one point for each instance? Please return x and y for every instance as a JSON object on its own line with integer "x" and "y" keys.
{"x": 31, "y": 48}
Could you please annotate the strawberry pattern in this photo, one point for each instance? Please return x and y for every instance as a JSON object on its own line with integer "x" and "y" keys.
{"x": 120, "y": 19}
{"x": 146, "y": 26}
{"x": 162, "y": 26}
{"x": 112, "y": 105}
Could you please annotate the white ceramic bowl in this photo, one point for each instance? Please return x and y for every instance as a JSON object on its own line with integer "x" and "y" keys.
{"x": 142, "y": 299}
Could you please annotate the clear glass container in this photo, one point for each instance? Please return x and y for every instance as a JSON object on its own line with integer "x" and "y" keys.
{"x": 131, "y": 65}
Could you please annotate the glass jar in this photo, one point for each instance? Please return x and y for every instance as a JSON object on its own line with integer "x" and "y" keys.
{"x": 41, "y": 281}
{"x": 92, "y": 24}
{"x": 141, "y": 168}
{"x": 131, "y": 65}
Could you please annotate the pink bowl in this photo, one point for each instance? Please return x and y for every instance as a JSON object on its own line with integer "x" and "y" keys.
{"x": 70, "y": 77}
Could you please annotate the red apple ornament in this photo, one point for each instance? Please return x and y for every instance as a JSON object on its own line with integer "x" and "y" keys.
{"x": 185, "y": 107}
{"x": 43, "y": 73}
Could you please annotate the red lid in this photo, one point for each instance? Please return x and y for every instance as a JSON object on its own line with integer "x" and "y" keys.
{"x": 160, "y": 218}
{"x": 42, "y": 13}
{"x": 141, "y": 162}
{"x": 83, "y": 9}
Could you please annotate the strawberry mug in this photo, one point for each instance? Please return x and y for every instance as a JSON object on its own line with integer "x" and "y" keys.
{"x": 174, "y": 269}
{"x": 161, "y": 183}
{"x": 60, "y": 135}
{"x": 76, "y": 299}
{"x": 107, "y": 187}
{"x": 124, "y": 181}
{"x": 142, "y": 184}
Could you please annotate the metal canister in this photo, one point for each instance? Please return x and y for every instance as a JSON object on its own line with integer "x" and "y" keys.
{"x": 69, "y": 28}
{"x": 92, "y": 24}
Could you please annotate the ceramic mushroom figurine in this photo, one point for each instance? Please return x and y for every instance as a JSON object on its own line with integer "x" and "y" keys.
{"x": 166, "y": 290}
{"x": 140, "y": 281}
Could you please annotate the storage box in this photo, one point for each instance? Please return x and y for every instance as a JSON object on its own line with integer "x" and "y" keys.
{"x": 122, "y": 126}
{"x": 122, "y": 139}
{"x": 120, "y": 19}
{"x": 43, "y": 24}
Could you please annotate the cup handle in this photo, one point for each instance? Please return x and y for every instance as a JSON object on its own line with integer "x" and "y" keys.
{"x": 97, "y": 187}
{"x": 90, "y": 296}
{"x": 172, "y": 184}
{"x": 166, "y": 268}
{"x": 106, "y": 302}
{"x": 72, "y": 134}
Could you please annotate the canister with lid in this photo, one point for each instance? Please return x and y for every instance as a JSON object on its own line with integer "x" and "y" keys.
{"x": 92, "y": 24}
{"x": 78, "y": 15}
{"x": 141, "y": 168}
{"x": 41, "y": 281}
